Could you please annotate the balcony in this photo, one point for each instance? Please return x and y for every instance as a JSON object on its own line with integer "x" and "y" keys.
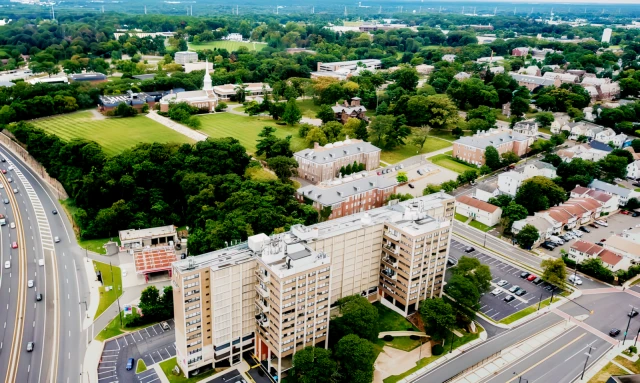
{"x": 262, "y": 291}
{"x": 391, "y": 261}
{"x": 392, "y": 235}
{"x": 264, "y": 308}
{"x": 390, "y": 273}
{"x": 392, "y": 248}
{"x": 262, "y": 320}
{"x": 261, "y": 275}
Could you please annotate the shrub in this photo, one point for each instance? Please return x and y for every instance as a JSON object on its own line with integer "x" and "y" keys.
{"x": 221, "y": 107}
{"x": 633, "y": 349}
{"x": 437, "y": 350}
{"x": 388, "y": 338}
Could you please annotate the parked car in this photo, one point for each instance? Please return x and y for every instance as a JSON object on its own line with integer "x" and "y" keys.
{"x": 165, "y": 325}
{"x": 577, "y": 233}
{"x": 603, "y": 240}
{"x": 468, "y": 249}
{"x": 509, "y": 298}
{"x": 514, "y": 288}
{"x": 602, "y": 223}
{"x": 599, "y": 243}
{"x": 521, "y": 292}
{"x": 420, "y": 172}
{"x": 635, "y": 214}
{"x": 625, "y": 212}
{"x": 584, "y": 229}
{"x": 452, "y": 261}
{"x": 411, "y": 186}
{"x": 502, "y": 282}
{"x": 496, "y": 291}
{"x": 556, "y": 240}
{"x": 548, "y": 245}
{"x": 524, "y": 275}
{"x": 537, "y": 281}
{"x": 531, "y": 277}
{"x": 566, "y": 237}
{"x": 637, "y": 184}
{"x": 614, "y": 332}
{"x": 575, "y": 279}
{"x": 130, "y": 364}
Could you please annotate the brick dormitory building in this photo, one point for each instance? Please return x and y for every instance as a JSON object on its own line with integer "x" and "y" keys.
{"x": 471, "y": 149}
{"x": 272, "y": 296}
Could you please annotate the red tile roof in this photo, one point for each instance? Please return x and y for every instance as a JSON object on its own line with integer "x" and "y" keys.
{"x": 154, "y": 259}
{"x": 580, "y": 190}
{"x": 559, "y": 215}
{"x": 587, "y": 247}
{"x": 610, "y": 258}
{"x": 484, "y": 206}
{"x": 599, "y": 195}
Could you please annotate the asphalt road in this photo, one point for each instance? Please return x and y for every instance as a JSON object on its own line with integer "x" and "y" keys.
{"x": 60, "y": 342}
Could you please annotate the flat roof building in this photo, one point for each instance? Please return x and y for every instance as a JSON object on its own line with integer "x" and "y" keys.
{"x": 153, "y": 236}
{"x": 186, "y": 57}
{"x": 272, "y": 294}
{"x": 471, "y": 149}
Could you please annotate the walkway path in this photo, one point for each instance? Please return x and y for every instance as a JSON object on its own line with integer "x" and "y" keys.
{"x": 194, "y": 135}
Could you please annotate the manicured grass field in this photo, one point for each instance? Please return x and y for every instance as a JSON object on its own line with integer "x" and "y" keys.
{"x": 447, "y": 161}
{"x": 308, "y": 108}
{"x": 111, "y": 330}
{"x": 246, "y": 129}
{"x": 403, "y": 152}
{"x": 480, "y": 226}
{"x": 113, "y": 134}
{"x": 461, "y": 217}
{"x": 524, "y": 312}
{"x": 231, "y": 46}
{"x": 141, "y": 367}
{"x": 111, "y": 276}
{"x": 389, "y": 320}
{"x": 259, "y": 174}
{"x": 168, "y": 365}
{"x": 606, "y": 372}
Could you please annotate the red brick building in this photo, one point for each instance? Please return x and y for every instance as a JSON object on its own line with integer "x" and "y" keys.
{"x": 471, "y": 149}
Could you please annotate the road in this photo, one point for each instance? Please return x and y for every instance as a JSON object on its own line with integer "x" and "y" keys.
{"x": 54, "y": 325}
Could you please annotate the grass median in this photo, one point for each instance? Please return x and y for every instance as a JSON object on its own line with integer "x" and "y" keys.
{"x": 111, "y": 287}
{"x": 168, "y": 365}
{"x": 524, "y": 312}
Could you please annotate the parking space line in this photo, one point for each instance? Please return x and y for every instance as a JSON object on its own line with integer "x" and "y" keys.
{"x": 151, "y": 356}
{"x": 154, "y": 329}
{"x": 147, "y": 332}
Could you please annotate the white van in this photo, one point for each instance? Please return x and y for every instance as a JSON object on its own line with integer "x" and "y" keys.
{"x": 556, "y": 240}
{"x": 575, "y": 279}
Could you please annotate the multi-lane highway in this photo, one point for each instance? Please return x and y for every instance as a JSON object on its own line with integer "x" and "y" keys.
{"x": 55, "y": 324}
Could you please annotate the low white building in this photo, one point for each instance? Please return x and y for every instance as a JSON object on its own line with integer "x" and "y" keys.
{"x": 449, "y": 58}
{"x": 528, "y": 127}
{"x": 425, "y": 69}
{"x": 509, "y": 182}
{"x": 153, "y": 236}
{"x": 609, "y": 135}
{"x": 185, "y": 57}
{"x": 539, "y": 168}
{"x": 609, "y": 202}
{"x": 480, "y": 211}
{"x": 623, "y": 194}
{"x": 633, "y": 170}
{"x": 461, "y": 76}
{"x": 542, "y": 223}
{"x": 486, "y": 191}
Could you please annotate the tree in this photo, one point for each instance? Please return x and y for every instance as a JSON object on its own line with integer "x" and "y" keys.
{"x": 356, "y": 357}
{"x": 502, "y": 200}
{"x": 276, "y": 110}
{"x": 241, "y": 93}
{"x": 545, "y": 118}
{"x": 358, "y": 317}
{"x": 284, "y": 167}
{"x": 623, "y": 153}
{"x": 272, "y": 146}
{"x": 514, "y": 212}
{"x": 351, "y": 127}
{"x": 483, "y": 113}
{"x": 449, "y": 186}
{"x": 7, "y": 114}
{"x": 509, "y": 158}
{"x": 472, "y": 269}
{"x": 406, "y": 78}
{"x": 539, "y": 193}
{"x": 380, "y": 125}
{"x": 492, "y": 158}
{"x": 292, "y": 113}
{"x": 438, "y": 316}
{"x": 382, "y": 109}
{"x": 467, "y": 176}
{"x": 457, "y": 132}
{"x": 555, "y": 271}
{"x": 150, "y": 302}
{"x": 333, "y": 131}
{"x": 463, "y": 291}
{"x": 612, "y": 167}
{"x": 402, "y": 177}
{"x": 420, "y": 137}
{"x": 313, "y": 365}
{"x": 326, "y": 114}
{"x": 527, "y": 236}
{"x": 124, "y": 110}
{"x": 519, "y": 106}
{"x": 439, "y": 111}
{"x": 316, "y": 134}
{"x": 478, "y": 125}
{"x": 396, "y": 134}
{"x": 431, "y": 189}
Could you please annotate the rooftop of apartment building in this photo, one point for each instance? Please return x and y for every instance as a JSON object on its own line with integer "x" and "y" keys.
{"x": 332, "y": 152}
{"x": 337, "y": 190}
{"x": 131, "y": 234}
{"x": 492, "y": 137}
{"x": 410, "y": 216}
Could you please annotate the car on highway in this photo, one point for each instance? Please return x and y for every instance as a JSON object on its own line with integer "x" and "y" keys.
{"x": 10, "y": 167}
{"x": 15, "y": 191}
{"x": 39, "y": 297}
{"x": 14, "y": 245}
{"x": 54, "y": 212}
{"x": 632, "y": 313}
{"x": 496, "y": 291}
{"x": 3, "y": 160}
{"x": 30, "y": 283}
{"x": 9, "y": 180}
{"x": 56, "y": 239}
{"x": 524, "y": 274}
{"x": 130, "y": 364}
{"x": 30, "y": 346}
{"x": 521, "y": 292}
{"x": 3, "y": 171}
{"x": 514, "y": 288}
{"x": 509, "y": 298}
{"x": 7, "y": 265}
{"x": 1, "y": 186}
{"x": 614, "y": 332}
{"x": 468, "y": 249}
{"x": 502, "y": 282}
{"x": 531, "y": 277}
{"x": 6, "y": 201}
{"x": 12, "y": 225}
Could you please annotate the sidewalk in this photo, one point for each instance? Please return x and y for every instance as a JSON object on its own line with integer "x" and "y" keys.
{"x": 194, "y": 135}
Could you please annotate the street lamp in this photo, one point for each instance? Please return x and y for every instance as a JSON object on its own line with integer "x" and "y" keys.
{"x": 634, "y": 342}
{"x": 588, "y": 354}
{"x": 628, "y": 323}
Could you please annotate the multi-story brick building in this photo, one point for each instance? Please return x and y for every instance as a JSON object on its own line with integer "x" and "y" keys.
{"x": 471, "y": 149}
{"x": 349, "y": 195}
{"x": 323, "y": 163}
{"x": 272, "y": 295}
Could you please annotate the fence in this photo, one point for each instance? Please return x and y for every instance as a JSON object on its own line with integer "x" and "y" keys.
{"x": 35, "y": 166}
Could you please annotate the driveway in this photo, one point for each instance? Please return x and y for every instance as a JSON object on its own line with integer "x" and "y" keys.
{"x": 152, "y": 344}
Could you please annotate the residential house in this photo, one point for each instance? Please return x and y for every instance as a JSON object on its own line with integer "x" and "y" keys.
{"x": 346, "y": 111}
{"x": 480, "y": 211}
{"x": 471, "y": 149}
{"x": 633, "y": 170}
{"x": 582, "y": 128}
{"x": 609, "y": 91}
{"x": 582, "y": 250}
{"x": 490, "y": 59}
{"x": 323, "y": 163}
{"x": 555, "y": 127}
{"x": 632, "y": 234}
{"x": 593, "y": 151}
{"x": 349, "y": 195}
{"x": 533, "y": 82}
{"x": 531, "y": 70}
{"x": 609, "y": 135}
{"x": 509, "y": 182}
{"x": 528, "y": 128}
{"x": 449, "y": 58}
{"x": 520, "y": 52}
{"x": 539, "y": 168}
{"x": 609, "y": 203}
{"x": 462, "y": 76}
{"x": 595, "y": 81}
{"x": 496, "y": 69}
{"x": 542, "y": 223}
{"x": 623, "y": 194}
{"x": 623, "y": 246}
{"x": 565, "y": 78}
{"x": 486, "y": 191}
{"x": 425, "y": 69}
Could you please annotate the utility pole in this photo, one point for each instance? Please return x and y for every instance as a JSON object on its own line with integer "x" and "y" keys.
{"x": 635, "y": 340}
{"x": 540, "y": 301}
{"x": 586, "y": 361}
{"x": 451, "y": 349}
{"x": 628, "y": 323}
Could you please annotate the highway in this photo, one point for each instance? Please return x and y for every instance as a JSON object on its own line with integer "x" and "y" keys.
{"x": 55, "y": 324}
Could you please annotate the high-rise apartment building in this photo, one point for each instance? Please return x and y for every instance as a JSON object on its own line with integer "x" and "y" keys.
{"x": 272, "y": 295}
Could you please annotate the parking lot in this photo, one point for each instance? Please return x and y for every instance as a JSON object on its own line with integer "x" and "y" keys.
{"x": 494, "y": 306}
{"x": 152, "y": 344}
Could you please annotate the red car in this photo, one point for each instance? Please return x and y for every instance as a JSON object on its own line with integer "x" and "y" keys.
{"x": 603, "y": 240}
{"x": 531, "y": 277}
{"x": 4, "y": 171}
{"x": 14, "y": 245}
{"x": 625, "y": 212}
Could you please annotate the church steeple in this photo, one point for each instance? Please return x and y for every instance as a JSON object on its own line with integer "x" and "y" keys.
{"x": 207, "y": 79}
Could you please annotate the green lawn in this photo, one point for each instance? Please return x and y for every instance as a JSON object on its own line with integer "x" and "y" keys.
{"x": 111, "y": 330}
{"x": 604, "y": 374}
{"x": 231, "y": 46}
{"x": 109, "y": 278}
{"x": 94, "y": 245}
{"x": 113, "y": 134}
{"x": 389, "y": 320}
{"x": 499, "y": 115}
{"x": 168, "y": 365}
{"x": 631, "y": 366}
{"x": 246, "y": 129}
{"x": 405, "y": 151}
{"x": 308, "y": 108}
{"x": 141, "y": 367}
{"x": 461, "y": 217}
{"x": 545, "y": 130}
{"x": 446, "y": 161}
{"x": 480, "y": 226}
{"x": 259, "y": 174}
{"x": 524, "y": 312}
{"x": 457, "y": 342}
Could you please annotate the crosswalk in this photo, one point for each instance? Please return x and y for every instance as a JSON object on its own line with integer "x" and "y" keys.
{"x": 41, "y": 216}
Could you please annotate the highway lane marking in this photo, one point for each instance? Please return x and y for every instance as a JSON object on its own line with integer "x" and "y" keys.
{"x": 583, "y": 348}
{"x": 547, "y": 358}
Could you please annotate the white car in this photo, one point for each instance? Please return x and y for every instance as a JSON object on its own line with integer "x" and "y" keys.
{"x": 56, "y": 239}
{"x": 577, "y": 233}
{"x": 7, "y": 265}
{"x": 496, "y": 291}
{"x": 1, "y": 186}
{"x": 502, "y": 282}
{"x": 15, "y": 191}
{"x": 12, "y": 225}
{"x": 602, "y": 223}
{"x": 10, "y": 168}
{"x": 30, "y": 283}
{"x": 575, "y": 279}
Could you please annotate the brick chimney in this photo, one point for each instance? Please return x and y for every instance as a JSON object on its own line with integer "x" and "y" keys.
{"x": 355, "y": 101}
